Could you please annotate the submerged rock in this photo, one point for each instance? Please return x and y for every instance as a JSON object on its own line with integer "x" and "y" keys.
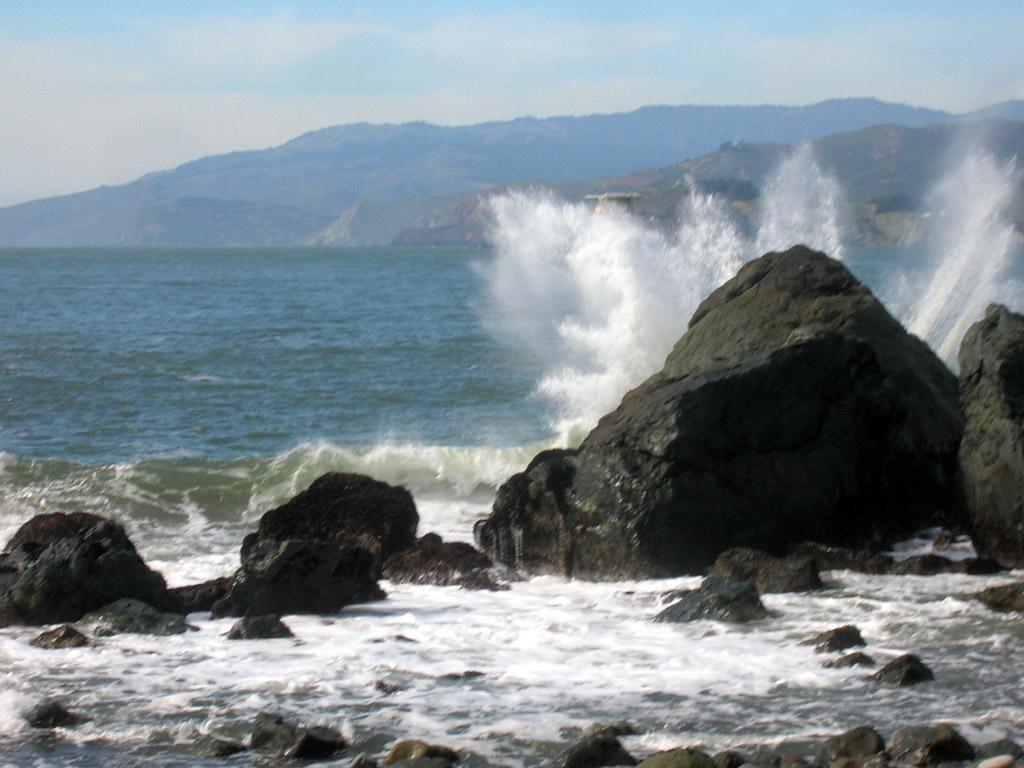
{"x": 414, "y": 749}
{"x": 59, "y": 567}
{"x": 64, "y": 636}
{"x": 794, "y": 408}
{"x": 135, "y": 617}
{"x": 838, "y": 639}
{"x": 274, "y": 735}
{"x": 597, "y": 748}
{"x": 719, "y": 598}
{"x": 992, "y": 452}
{"x": 1008, "y": 597}
{"x": 53, "y": 714}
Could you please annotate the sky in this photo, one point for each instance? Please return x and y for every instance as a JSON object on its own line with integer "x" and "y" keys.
{"x": 103, "y": 92}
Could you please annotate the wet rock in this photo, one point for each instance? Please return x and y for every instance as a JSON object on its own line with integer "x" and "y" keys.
{"x": 923, "y": 565}
{"x": 833, "y": 558}
{"x": 929, "y": 745}
{"x": 346, "y": 509}
{"x": 259, "y": 628}
{"x": 728, "y": 759}
{"x": 60, "y": 567}
{"x": 274, "y": 735}
{"x": 855, "y": 659}
{"x": 684, "y": 757}
{"x": 362, "y": 760}
{"x": 597, "y": 748}
{"x": 992, "y": 451}
{"x": 414, "y": 749}
{"x": 53, "y": 714}
{"x": 433, "y": 561}
{"x": 718, "y": 598}
{"x": 978, "y": 566}
{"x": 855, "y": 743}
{"x": 201, "y": 597}
{"x": 131, "y": 616}
{"x": 1005, "y": 598}
{"x": 64, "y": 636}
{"x": 902, "y": 671}
{"x": 769, "y": 574}
{"x": 213, "y": 747}
{"x": 998, "y": 761}
{"x": 838, "y": 639}
{"x": 998, "y": 748}
{"x": 795, "y": 408}
{"x": 300, "y": 576}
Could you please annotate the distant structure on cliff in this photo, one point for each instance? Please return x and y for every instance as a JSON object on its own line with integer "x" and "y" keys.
{"x": 606, "y": 202}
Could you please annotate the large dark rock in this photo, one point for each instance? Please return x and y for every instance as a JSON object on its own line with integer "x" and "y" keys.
{"x": 929, "y": 745}
{"x": 274, "y": 735}
{"x": 300, "y": 576}
{"x": 434, "y": 561}
{"x": 346, "y": 509}
{"x": 794, "y": 573}
{"x": 59, "y": 567}
{"x": 904, "y": 670}
{"x": 130, "y": 616}
{"x": 794, "y": 408}
{"x": 719, "y": 598}
{"x": 992, "y": 452}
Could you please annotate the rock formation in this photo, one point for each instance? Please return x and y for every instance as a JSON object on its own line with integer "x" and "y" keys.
{"x": 992, "y": 452}
{"x": 794, "y": 408}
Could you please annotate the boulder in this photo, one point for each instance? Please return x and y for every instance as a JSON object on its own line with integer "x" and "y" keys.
{"x": 346, "y": 509}
{"x": 838, "y": 639}
{"x": 855, "y": 659}
{"x": 719, "y": 598}
{"x": 1005, "y": 598}
{"x": 858, "y": 742}
{"x": 794, "y": 573}
{"x": 201, "y": 597}
{"x": 433, "y": 561}
{"x": 833, "y": 558}
{"x": 907, "y": 669}
{"x": 274, "y": 735}
{"x": 53, "y": 714}
{"x": 64, "y": 636}
{"x": 929, "y": 745}
{"x": 682, "y": 757}
{"x": 60, "y": 567}
{"x": 992, "y": 451}
{"x": 794, "y": 408}
{"x": 414, "y": 749}
{"x": 130, "y": 616}
{"x": 259, "y": 628}
{"x": 597, "y": 748}
{"x": 300, "y": 576}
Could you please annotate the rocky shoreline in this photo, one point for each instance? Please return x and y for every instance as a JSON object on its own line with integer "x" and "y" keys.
{"x": 795, "y": 430}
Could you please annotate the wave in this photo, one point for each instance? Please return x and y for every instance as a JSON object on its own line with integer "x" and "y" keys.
{"x": 209, "y": 500}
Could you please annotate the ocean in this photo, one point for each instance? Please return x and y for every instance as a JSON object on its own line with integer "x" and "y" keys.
{"x": 186, "y": 392}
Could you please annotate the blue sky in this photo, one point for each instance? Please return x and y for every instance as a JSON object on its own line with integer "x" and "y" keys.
{"x": 102, "y": 92}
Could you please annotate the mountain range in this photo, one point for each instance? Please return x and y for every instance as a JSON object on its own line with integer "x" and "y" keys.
{"x": 365, "y": 184}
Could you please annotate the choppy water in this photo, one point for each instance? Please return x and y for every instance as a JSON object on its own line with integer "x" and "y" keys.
{"x": 187, "y": 392}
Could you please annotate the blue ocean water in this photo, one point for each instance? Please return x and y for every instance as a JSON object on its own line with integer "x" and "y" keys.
{"x": 185, "y": 393}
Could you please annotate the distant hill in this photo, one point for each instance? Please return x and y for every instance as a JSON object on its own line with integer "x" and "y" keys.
{"x": 884, "y": 170}
{"x": 362, "y": 183}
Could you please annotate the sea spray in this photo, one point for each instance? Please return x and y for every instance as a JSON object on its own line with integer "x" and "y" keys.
{"x": 801, "y": 204}
{"x": 971, "y": 241}
{"x": 602, "y": 297}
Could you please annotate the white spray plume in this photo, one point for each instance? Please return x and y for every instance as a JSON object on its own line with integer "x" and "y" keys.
{"x": 801, "y": 204}
{"x": 971, "y": 243}
{"x": 602, "y": 296}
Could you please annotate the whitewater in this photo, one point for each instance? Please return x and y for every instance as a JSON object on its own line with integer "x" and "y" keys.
{"x": 185, "y": 393}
